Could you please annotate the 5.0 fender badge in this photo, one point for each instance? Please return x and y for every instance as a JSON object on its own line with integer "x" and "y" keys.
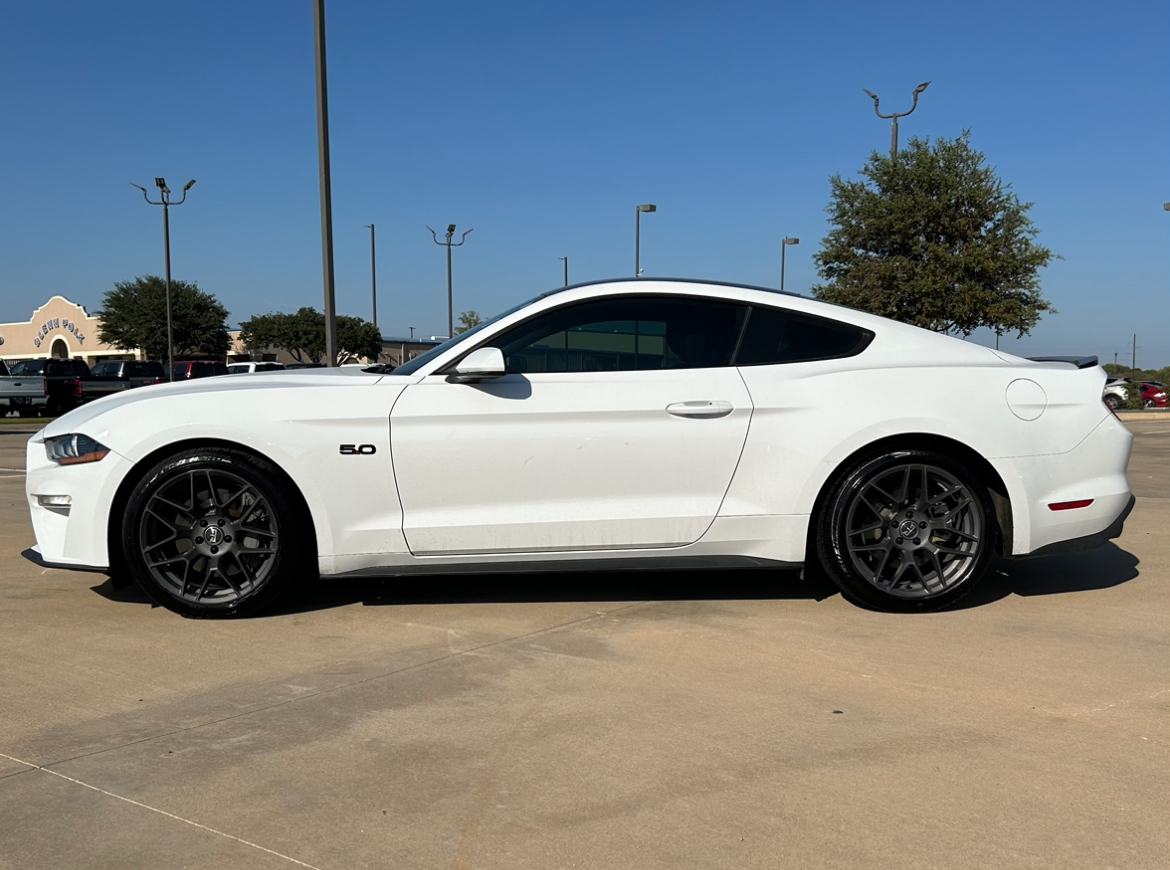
{"x": 358, "y": 449}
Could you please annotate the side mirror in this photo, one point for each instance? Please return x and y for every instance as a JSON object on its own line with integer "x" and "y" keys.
{"x": 480, "y": 364}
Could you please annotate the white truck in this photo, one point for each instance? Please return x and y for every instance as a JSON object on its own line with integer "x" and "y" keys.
{"x": 25, "y": 395}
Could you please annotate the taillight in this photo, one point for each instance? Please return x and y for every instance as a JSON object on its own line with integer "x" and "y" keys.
{"x": 157, "y": 381}
{"x": 45, "y": 383}
{"x": 77, "y": 388}
{"x": 1070, "y": 505}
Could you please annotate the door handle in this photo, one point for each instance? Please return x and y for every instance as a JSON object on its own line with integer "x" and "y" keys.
{"x": 705, "y": 410}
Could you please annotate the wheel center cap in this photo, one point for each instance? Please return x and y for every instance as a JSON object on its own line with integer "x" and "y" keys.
{"x": 908, "y": 529}
{"x": 213, "y": 535}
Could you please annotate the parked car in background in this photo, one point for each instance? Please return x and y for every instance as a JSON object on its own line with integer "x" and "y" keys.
{"x": 305, "y": 365}
{"x": 1114, "y": 395}
{"x": 1153, "y": 395}
{"x": 202, "y": 368}
{"x": 244, "y": 368}
{"x": 24, "y": 394}
{"x": 137, "y": 373}
{"x": 116, "y": 375}
{"x": 68, "y": 382}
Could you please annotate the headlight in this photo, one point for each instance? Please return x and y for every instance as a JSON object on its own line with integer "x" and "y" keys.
{"x": 74, "y": 449}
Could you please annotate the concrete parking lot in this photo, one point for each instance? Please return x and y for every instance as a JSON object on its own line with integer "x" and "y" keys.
{"x": 733, "y": 719}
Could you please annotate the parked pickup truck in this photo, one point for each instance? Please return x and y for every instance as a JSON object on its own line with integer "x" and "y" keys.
{"x": 131, "y": 373}
{"x": 23, "y": 394}
{"x": 66, "y": 383}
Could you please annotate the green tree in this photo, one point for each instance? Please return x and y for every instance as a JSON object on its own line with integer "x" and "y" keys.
{"x": 359, "y": 337}
{"x": 468, "y": 320}
{"x": 302, "y": 334}
{"x": 134, "y": 315}
{"x": 934, "y": 238}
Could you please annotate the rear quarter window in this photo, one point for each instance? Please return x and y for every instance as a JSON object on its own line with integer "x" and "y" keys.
{"x": 775, "y": 336}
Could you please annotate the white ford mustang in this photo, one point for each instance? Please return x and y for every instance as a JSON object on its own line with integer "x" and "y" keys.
{"x": 637, "y": 423}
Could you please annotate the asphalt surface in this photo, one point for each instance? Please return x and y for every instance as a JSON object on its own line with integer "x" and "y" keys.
{"x": 738, "y": 719}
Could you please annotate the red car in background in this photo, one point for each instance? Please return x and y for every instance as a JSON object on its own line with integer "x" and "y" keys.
{"x": 1154, "y": 395}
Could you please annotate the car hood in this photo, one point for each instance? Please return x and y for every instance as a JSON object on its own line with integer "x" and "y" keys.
{"x": 289, "y": 379}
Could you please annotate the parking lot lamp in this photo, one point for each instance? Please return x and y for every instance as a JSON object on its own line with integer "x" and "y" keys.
{"x": 638, "y": 236}
{"x": 784, "y": 247}
{"x": 165, "y": 202}
{"x": 449, "y": 245}
{"x": 894, "y": 137}
{"x": 566, "y": 259}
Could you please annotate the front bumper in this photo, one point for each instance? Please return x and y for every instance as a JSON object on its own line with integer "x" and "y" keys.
{"x": 77, "y": 537}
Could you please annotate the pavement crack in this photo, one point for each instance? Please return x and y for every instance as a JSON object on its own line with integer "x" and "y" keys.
{"x": 161, "y": 812}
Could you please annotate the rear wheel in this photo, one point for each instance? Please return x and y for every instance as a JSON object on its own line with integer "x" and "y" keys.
{"x": 907, "y": 530}
{"x": 1113, "y": 402}
{"x": 214, "y": 532}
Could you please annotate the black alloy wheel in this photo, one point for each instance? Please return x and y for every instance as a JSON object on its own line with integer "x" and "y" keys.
{"x": 907, "y": 530}
{"x": 215, "y": 532}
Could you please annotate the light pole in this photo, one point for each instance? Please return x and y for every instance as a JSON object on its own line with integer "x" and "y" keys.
{"x": 784, "y": 247}
{"x": 648, "y": 208}
{"x": 566, "y": 259}
{"x": 165, "y": 202}
{"x": 373, "y": 273}
{"x": 894, "y": 139}
{"x": 449, "y": 245}
{"x": 326, "y": 186}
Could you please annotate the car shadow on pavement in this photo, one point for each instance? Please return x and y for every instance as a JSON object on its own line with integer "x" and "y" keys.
{"x": 1076, "y": 572}
{"x": 1102, "y": 568}
{"x": 517, "y": 588}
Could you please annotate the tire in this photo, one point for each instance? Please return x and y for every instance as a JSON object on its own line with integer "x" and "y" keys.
{"x": 1113, "y": 402}
{"x": 863, "y": 532}
{"x": 214, "y": 533}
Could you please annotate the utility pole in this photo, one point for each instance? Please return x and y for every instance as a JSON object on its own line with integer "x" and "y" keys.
{"x": 326, "y": 187}
{"x": 894, "y": 136}
{"x": 1133, "y": 365}
{"x": 566, "y": 259}
{"x": 449, "y": 245}
{"x": 165, "y": 202}
{"x": 373, "y": 273}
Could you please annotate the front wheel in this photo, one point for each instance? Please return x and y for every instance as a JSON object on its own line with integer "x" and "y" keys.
{"x": 214, "y": 532}
{"x": 1113, "y": 402}
{"x": 907, "y": 530}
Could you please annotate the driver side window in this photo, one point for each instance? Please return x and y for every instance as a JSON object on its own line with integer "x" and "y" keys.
{"x": 626, "y": 333}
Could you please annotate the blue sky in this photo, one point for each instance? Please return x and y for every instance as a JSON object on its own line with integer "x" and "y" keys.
{"x": 542, "y": 125}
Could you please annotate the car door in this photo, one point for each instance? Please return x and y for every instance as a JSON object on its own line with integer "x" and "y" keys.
{"x": 618, "y": 426}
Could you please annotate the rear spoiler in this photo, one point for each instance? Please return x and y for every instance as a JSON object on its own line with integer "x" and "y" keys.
{"x": 1081, "y": 362}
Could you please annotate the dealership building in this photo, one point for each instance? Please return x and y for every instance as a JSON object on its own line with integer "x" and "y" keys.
{"x": 65, "y": 330}
{"x": 60, "y": 329}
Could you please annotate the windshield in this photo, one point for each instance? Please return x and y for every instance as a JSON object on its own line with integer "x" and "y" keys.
{"x": 29, "y": 367}
{"x": 419, "y": 361}
{"x": 106, "y": 369}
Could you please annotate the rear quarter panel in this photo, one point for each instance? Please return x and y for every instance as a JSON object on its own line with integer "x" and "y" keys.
{"x": 810, "y": 417}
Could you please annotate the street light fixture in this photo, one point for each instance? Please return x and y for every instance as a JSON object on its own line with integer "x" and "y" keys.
{"x": 648, "y": 208}
{"x": 784, "y": 247}
{"x": 894, "y": 138}
{"x": 449, "y": 245}
{"x": 165, "y": 202}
